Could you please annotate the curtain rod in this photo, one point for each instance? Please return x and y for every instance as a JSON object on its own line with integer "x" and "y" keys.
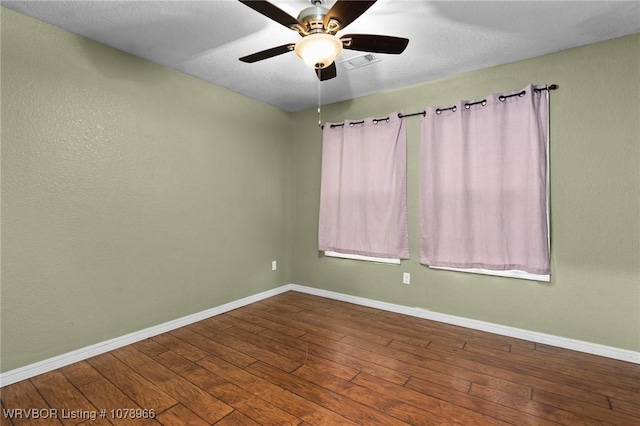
{"x": 483, "y": 101}
{"x": 453, "y": 108}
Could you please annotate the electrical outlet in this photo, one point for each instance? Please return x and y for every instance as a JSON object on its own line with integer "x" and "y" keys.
{"x": 274, "y": 265}
{"x": 406, "y": 278}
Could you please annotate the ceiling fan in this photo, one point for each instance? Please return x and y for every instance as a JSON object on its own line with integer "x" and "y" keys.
{"x": 318, "y": 26}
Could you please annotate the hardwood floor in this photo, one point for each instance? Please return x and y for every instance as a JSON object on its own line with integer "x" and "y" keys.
{"x": 297, "y": 359}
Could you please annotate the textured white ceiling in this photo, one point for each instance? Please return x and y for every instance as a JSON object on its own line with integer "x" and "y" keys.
{"x": 206, "y": 38}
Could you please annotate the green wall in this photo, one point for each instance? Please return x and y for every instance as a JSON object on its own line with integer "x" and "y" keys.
{"x": 132, "y": 194}
{"x": 594, "y": 293}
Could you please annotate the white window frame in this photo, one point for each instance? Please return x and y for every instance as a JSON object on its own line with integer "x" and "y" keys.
{"x": 511, "y": 273}
{"x": 385, "y": 260}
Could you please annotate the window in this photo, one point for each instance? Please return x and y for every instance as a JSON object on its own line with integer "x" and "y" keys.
{"x": 363, "y": 209}
{"x": 484, "y": 192}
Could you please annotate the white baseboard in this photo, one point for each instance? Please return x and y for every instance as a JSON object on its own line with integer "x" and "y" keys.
{"x": 503, "y": 330}
{"x": 32, "y": 370}
{"x": 63, "y": 360}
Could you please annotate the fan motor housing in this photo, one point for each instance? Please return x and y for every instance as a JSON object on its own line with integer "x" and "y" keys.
{"x": 312, "y": 18}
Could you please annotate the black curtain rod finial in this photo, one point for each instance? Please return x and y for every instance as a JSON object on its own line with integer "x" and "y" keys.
{"x": 549, "y": 87}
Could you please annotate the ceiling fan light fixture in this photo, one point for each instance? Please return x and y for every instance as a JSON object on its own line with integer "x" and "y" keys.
{"x": 318, "y": 50}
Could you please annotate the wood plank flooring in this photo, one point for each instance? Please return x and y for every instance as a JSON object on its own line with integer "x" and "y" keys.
{"x": 297, "y": 359}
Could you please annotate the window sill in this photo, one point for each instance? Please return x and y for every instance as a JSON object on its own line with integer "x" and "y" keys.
{"x": 509, "y": 273}
{"x": 384, "y": 260}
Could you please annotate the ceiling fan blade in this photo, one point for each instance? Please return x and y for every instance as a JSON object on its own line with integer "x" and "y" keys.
{"x": 346, "y": 11}
{"x": 327, "y": 73}
{"x": 269, "y": 53}
{"x": 375, "y": 43}
{"x": 272, "y": 12}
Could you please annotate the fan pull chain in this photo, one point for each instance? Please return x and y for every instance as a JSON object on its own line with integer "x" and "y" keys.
{"x": 319, "y": 98}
